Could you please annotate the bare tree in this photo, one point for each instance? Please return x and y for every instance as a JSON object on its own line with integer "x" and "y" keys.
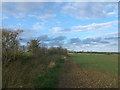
{"x": 10, "y": 45}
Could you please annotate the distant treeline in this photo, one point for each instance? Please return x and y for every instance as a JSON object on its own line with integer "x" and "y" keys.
{"x": 96, "y": 52}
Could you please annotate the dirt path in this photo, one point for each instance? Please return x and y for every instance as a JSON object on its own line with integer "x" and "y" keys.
{"x": 74, "y": 76}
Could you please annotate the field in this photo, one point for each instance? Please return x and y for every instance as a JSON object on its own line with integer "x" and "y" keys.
{"x": 90, "y": 71}
{"x": 99, "y": 62}
{"x": 55, "y": 71}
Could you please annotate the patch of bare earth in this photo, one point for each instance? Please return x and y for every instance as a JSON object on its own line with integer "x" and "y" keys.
{"x": 74, "y": 76}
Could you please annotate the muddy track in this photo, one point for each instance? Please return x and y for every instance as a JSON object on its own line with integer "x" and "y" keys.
{"x": 74, "y": 76}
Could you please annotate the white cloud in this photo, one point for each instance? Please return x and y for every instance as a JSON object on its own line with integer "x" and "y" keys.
{"x": 35, "y": 9}
{"x": 90, "y": 27}
{"x": 42, "y": 17}
{"x": 104, "y": 35}
{"x": 37, "y": 26}
{"x": 89, "y": 10}
{"x": 33, "y": 32}
{"x": 60, "y": 1}
{"x": 56, "y": 29}
{"x": 94, "y": 26}
{"x": 111, "y": 13}
{"x": 103, "y": 43}
{"x": 5, "y": 17}
{"x": 47, "y": 16}
{"x": 80, "y": 10}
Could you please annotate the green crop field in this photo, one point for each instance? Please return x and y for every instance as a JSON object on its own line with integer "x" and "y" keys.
{"x": 99, "y": 62}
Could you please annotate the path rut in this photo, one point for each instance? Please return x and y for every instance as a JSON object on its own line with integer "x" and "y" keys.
{"x": 74, "y": 76}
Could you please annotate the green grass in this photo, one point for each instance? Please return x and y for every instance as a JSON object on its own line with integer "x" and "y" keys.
{"x": 32, "y": 72}
{"x": 50, "y": 79}
{"x": 99, "y": 62}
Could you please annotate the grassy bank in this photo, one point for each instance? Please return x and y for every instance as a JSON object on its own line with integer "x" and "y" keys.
{"x": 50, "y": 78}
{"x": 33, "y": 72}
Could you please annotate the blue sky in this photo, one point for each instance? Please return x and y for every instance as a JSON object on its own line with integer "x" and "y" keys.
{"x": 88, "y": 26}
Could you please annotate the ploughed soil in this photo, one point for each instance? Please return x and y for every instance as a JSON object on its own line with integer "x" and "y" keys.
{"x": 74, "y": 76}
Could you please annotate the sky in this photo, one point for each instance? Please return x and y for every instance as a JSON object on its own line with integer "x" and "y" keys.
{"x": 77, "y": 26}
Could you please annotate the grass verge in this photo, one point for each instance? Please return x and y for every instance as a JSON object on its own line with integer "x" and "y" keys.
{"x": 32, "y": 72}
{"x": 50, "y": 78}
